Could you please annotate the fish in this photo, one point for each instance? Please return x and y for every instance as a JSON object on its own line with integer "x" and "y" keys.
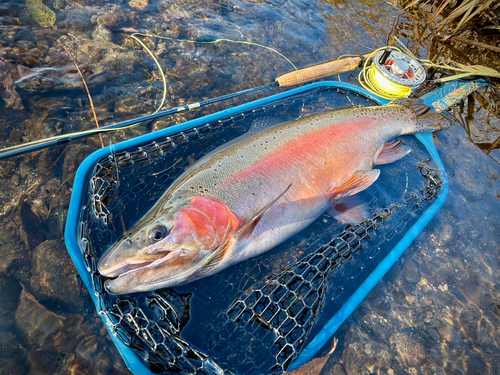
{"x": 246, "y": 197}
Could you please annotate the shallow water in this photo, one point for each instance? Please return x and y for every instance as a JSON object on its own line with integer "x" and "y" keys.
{"x": 437, "y": 311}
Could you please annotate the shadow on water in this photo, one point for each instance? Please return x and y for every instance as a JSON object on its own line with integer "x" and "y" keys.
{"x": 437, "y": 311}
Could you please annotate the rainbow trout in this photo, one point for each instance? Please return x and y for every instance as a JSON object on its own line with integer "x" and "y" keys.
{"x": 246, "y": 197}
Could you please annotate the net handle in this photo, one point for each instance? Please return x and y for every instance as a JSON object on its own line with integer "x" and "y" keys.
{"x": 311, "y": 73}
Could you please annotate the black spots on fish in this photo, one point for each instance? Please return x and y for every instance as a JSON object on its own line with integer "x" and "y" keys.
{"x": 192, "y": 187}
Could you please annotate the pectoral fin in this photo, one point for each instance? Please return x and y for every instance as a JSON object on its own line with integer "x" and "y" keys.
{"x": 359, "y": 181}
{"x": 390, "y": 152}
{"x": 247, "y": 228}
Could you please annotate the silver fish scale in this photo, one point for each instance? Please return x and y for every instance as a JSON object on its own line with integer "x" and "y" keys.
{"x": 260, "y": 322}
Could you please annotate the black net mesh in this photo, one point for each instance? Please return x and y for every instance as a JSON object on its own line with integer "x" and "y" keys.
{"x": 256, "y": 316}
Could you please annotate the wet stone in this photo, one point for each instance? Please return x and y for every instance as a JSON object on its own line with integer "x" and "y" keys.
{"x": 434, "y": 334}
{"x": 338, "y": 369}
{"x": 76, "y": 19}
{"x": 54, "y": 275}
{"x": 13, "y": 250}
{"x": 101, "y": 32}
{"x": 133, "y": 106}
{"x": 108, "y": 20}
{"x": 13, "y": 365}
{"x": 59, "y": 4}
{"x": 362, "y": 354}
{"x": 36, "y": 323}
{"x": 476, "y": 365}
{"x": 71, "y": 364}
{"x": 43, "y": 361}
{"x": 138, "y": 4}
{"x": 10, "y": 291}
{"x": 410, "y": 272}
{"x": 410, "y": 351}
{"x": 86, "y": 349}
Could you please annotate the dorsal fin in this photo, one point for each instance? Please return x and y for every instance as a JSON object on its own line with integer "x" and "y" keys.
{"x": 247, "y": 228}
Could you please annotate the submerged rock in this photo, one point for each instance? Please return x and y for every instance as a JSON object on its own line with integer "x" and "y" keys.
{"x": 410, "y": 351}
{"x": 8, "y": 74}
{"x": 410, "y": 272}
{"x": 14, "y": 252}
{"x": 101, "y": 32}
{"x": 73, "y": 364}
{"x": 138, "y": 4}
{"x": 363, "y": 354}
{"x": 43, "y": 361}
{"x": 54, "y": 275}
{"x": 36, "y": 323}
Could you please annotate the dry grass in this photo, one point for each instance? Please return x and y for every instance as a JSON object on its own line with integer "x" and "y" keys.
{"x": 462, "y": 38}
{"x": 457, "y": 18}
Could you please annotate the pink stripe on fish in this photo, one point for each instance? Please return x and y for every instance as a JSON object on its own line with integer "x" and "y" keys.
{"x": 310, "y": 143}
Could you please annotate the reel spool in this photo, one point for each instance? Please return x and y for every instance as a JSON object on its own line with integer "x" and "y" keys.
{"x": 392, "y": 74}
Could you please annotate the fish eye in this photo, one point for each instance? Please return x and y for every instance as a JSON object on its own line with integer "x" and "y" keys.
{"x": 157, "y": 232}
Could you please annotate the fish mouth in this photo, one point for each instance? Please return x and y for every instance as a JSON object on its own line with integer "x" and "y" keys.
{"x": 122, "y": 268}
{"x": 173, "y": 269}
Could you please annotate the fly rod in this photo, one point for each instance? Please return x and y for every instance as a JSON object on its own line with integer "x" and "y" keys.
{"x": 288, "y": 79}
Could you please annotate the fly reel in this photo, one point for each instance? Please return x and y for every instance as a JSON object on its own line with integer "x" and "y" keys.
{"x": 392, "y": 74}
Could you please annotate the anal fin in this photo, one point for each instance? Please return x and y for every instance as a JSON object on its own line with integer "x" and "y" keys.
{"x": 391, "y": 152}
{"x": 359, "y": 181}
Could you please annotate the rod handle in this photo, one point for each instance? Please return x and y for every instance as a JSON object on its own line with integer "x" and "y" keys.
{"x": 311, "y": 73}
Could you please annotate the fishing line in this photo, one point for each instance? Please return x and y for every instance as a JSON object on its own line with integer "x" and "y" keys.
{"x": 60, "y": 139}
{"x": 134, "y": 37}
{"x": 371, "y": 79}
{"x": 292, "y": 78}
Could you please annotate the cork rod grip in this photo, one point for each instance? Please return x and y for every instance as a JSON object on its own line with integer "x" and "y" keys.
{"x": 319, "y": 71}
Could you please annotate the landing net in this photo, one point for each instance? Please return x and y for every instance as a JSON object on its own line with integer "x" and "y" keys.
{"x": 256, "y": 316}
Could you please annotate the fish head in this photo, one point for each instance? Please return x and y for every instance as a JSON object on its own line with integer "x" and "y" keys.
{"x": 170, "y": 248}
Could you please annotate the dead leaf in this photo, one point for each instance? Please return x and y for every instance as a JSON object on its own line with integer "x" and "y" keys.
{"x": 315, "y": 365}
{"x": 129, "y": 30}
{"x": 42, "y": 14}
